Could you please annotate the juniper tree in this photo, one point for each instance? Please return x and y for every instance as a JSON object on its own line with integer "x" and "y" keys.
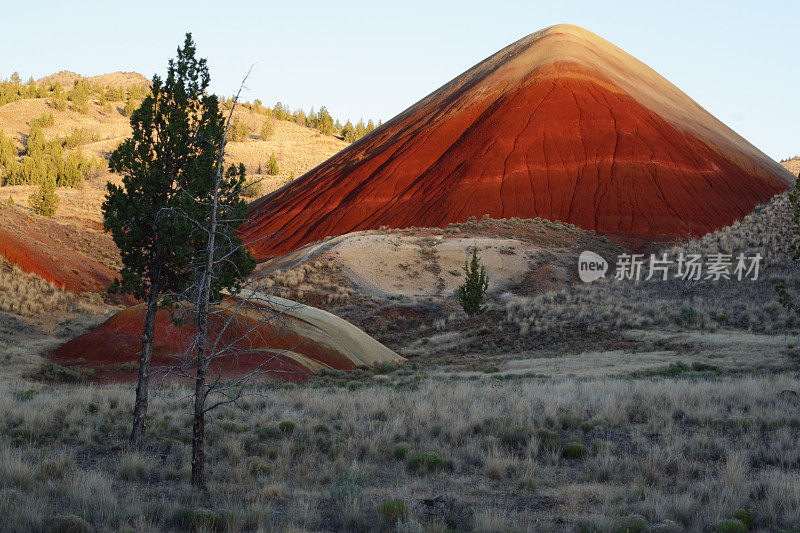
{"x": 472, "y": 293}
{"x": 45, "y": 200}
{"x": 272, "y": 166}
{"x": 167, "y": 164}
{"x": 267, "y": 129}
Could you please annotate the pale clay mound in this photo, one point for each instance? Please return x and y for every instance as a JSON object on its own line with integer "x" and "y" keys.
{"x": 392, "y": 265}
{"x": 329, "y": 330}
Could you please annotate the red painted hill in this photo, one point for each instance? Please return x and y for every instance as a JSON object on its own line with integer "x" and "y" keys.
{"x": 561, "y": 125}
{"x": 76, "y": 259}
{"x": 297, "y": 341}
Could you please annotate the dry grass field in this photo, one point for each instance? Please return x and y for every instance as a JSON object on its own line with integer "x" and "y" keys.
{"x": 403, "y": 451}
{"x": 626, "y": 422}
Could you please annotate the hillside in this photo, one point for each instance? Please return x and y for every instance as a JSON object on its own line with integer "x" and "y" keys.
{"x": 561, "y": 125}
{"x": 297, "y": 148}
{"x": 792, "y": 165}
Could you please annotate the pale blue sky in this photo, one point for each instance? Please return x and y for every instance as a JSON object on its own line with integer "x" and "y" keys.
{"x": 739, "y": 59}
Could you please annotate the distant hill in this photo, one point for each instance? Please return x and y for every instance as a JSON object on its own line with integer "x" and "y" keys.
{"x": 792, "y": 165}
{"x": 118, "y": 80}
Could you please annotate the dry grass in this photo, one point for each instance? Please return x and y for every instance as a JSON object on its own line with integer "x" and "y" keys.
{"x": 29, "y": 295}
{"x": 483, "y": 454}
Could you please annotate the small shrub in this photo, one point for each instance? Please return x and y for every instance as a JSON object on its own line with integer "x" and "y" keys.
{"x": 238, "y": 131}
{"x": 514, "y": 436}
{"x": 548, "y": 439}
{"x": 68, "y": 523}
{"x": 746, "y": 515}
{"x": 286, "y": 427}
{"x": 61, "y": 374}
{"x": 267, "y": 129}
{"x": 393, "y": 510}
{"x": 269, "y": 432}
{"x": 10, "y": 202}
{"x": 272, "y": 165}
{"x": 400, "y": 452}
{"x": 426, "y": 462}
{"x": 491, "y": 369}
{"x": 259, "y": 467}
{"x": 574, "y": 450}
{"x": 730, "y": 526}
{"x": 459, "y": 515}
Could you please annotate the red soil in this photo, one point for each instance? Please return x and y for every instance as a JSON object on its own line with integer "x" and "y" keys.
{"x": 519, "y": 136}
{"x": 79, "y": 260}
{"x": 252, "y": 347}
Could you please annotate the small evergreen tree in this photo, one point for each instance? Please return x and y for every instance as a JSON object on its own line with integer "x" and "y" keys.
{"x": 267, "y": 130}
{"x": 238, "y": 131}
{"x": 324, "y": 122}
{"x": 472, "y": 293}
{"x": 130, "y": 106}
{"x": 79, "y": 96}
{"x": 8, "y": 159}
{"x": 272, "y": 165}
{"x": 45, "y": 200}
{"x": 349, "y": 132}
{"x": 10, "y": 202}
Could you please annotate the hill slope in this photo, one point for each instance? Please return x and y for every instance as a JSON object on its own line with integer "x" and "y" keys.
{"x": 561, "y": 125}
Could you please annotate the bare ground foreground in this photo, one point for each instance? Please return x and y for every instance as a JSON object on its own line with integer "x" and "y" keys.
{"x": 602, "y": 407}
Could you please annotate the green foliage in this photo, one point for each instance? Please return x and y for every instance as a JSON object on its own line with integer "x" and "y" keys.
{"x": 43, "y": 161}
{"x": 130, "y": 106}
{"x": 393, "y": 510}
{"x": 10, "y": 202}
{"x": 8, "y": 159}
{"x": 169, "y": 166}
{"x": 424, "y": 462}
{"x": 323, "y": 122}
{"x": 42, "y": 121}
{"x": 79, "y": 96}
{"x": 279, "y": 112}
{"x": 349, "y": 132}
{"x": 114, "y": 94}
{"x": 730, "y": 526}
{"x": 472, "y": 293}
{"x": 12, "y": 90}
{"x": 238, "y": 131}
{"x": 45, "y": 200}
{"x": 272, "y": 165}
{"x": 267, "y": 130}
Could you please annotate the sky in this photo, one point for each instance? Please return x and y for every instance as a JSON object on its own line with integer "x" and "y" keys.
{"x": 373, "y": 59}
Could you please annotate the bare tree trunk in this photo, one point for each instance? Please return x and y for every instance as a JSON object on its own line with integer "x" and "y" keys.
{"x": 140, "y": 406}
{"x": 199, "y": 427}
{"x": 199, "y": 423}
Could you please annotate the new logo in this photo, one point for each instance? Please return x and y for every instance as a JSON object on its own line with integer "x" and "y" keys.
{"x": 591, "y": 266}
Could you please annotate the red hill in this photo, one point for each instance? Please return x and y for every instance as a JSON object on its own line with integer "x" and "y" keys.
{"x": 561, "y": 125}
